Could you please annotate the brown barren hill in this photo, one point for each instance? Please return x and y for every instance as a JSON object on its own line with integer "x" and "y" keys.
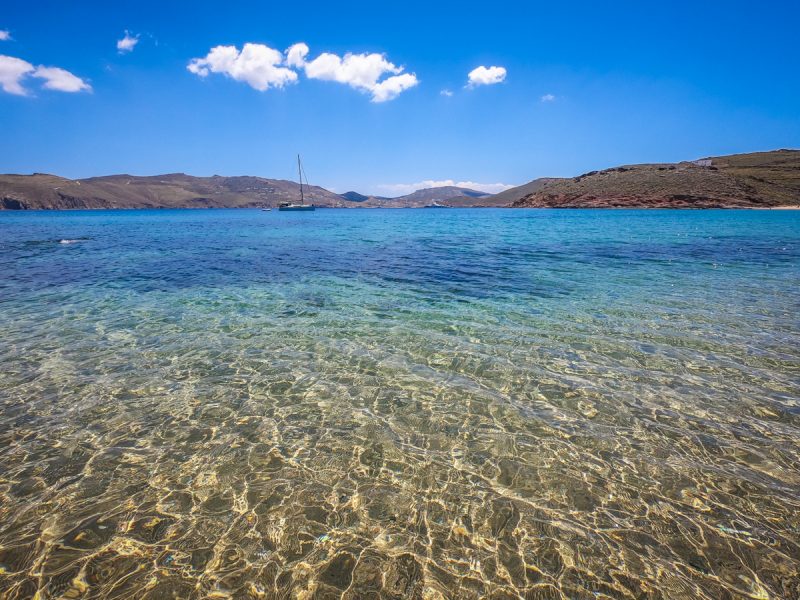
{"x": 177, "y": 190}
{"x": 756, "y": 180}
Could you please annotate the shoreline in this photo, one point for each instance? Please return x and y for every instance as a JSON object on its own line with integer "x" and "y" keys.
{"x": 787, "y": 207}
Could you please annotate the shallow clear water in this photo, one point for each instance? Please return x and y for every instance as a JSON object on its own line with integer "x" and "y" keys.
{"x": 400, "y": 404}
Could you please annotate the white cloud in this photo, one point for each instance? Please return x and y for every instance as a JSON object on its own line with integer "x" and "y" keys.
{"x": 357, "y": 70}
{"x": 263, "y": 67}
{"x": 60, "y": 80}
{"x": 296, "y": 55}
{"x": 5, "y": 35}
{"x": 447, "y": 93}
{"x": 127, "y": 43}
{"x": 362, "y": 72}
{"x": 392, "y": 87}
{"x": 548, "y": 98}
{"x": 14, "y": 70}
{"x": 401, "y": 189}
{"x": 257, "y": 65}
{"x": 486, "y": 76}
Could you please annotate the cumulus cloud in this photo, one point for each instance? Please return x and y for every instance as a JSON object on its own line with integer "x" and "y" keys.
{"x": 5, "y": 35}
{"x": 401, "y": 189}
{"x": 392, "y": 87}
{"x": 127, "y": 43}
{"x": 296, "y": 55}
{"x": 60, "y": 80}
{"x": 548, "y": 98}
{"x": 357, "y": 70}
{"x": 486, "y": 76}
{"x": 263, "y": 67}
{"x": 13, "y": 70}
{"x": 362, "y": 72}
{"x": 260, "y": 66}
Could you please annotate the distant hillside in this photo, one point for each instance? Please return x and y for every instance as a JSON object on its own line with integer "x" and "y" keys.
{"x": 41, "y": 191}
{"x": 355, "y": 197}
{"x": 506, "y": 198}
{"x": 437, "y": 196}
{"x": 432, "y": 196}
{"x": 761, "y": 179}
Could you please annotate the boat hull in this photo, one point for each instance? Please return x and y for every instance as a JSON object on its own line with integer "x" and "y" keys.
{"x": 297, "y": 207}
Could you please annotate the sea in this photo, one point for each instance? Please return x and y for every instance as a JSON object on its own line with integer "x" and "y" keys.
{"x": 432, "y": 404}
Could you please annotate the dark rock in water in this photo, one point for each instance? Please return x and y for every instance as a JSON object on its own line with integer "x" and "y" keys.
{"x": 90, "y": 534}
{"x": 15, "y": 559}
{"x": 402, "y": 576}
{"x": 339, "y": 571}
{"x": 62, "y": 582}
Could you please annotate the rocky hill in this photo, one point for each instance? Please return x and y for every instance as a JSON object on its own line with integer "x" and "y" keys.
{"x": 41, "y": 191}
{"x": 760, "y": 179}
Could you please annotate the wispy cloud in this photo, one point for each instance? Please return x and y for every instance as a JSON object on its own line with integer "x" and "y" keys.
{"x": 127, "y": 43}
{"x": 486, "y": 76}
{"x": 548, "y": 98}
{"x": 14, "y": 70}
{"x": 263, "y": 67}
{"x": 5, "y": 35}
{"x": 61, "y": 80}
{"x": 447, "y": 93}
{"x": 401, "y": 189}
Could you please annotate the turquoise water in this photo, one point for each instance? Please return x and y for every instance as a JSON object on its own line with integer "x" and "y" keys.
{"x": 400, "y": 404}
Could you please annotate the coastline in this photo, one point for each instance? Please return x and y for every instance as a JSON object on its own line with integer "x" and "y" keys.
{"x": 788, "y": 207}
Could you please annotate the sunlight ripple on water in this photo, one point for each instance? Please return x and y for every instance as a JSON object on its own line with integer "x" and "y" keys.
{"x": 400, "y": 404}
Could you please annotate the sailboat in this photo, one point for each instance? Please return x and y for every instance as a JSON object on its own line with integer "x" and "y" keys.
{"x": 302, "y": 205}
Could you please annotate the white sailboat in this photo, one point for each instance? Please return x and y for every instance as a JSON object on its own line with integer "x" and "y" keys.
{"x": 302, "y": 205}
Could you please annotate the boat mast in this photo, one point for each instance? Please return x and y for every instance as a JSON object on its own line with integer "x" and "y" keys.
{"x": 300, "y": 176}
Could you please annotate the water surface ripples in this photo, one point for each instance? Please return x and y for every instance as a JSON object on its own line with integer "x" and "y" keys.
{"x": 400, "y": 404}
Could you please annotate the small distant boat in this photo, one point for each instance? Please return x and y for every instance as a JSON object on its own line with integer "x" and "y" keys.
{"x": 302, "y": 205}
{"x": 266, "y": 209}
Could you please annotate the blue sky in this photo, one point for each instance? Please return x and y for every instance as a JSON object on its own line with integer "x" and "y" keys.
{"x": 578, "y": 86}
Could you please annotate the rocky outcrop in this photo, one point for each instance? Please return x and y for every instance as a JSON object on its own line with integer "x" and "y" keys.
{"x": 757, "y": 180}
{"x": 12, "y": 204}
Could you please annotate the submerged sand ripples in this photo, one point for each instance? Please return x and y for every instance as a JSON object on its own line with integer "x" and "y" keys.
{"x": 339, "y": 435}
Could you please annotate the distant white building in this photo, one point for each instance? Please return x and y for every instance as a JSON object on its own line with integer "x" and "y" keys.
{"x": 703, "y": 162}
